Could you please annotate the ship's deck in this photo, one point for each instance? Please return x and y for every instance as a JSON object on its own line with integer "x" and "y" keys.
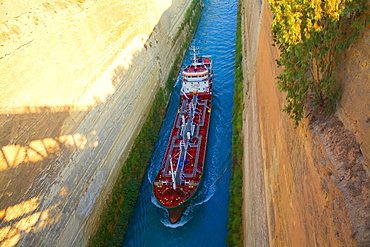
{"x": 192, "y": 167}
{"x": 183, "y": 164}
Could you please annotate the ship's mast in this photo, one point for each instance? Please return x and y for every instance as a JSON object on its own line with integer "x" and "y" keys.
{"x": 194, "y": 54}
{"x": 172, "y": 174}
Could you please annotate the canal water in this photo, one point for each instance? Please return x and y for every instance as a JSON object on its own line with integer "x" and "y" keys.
{"x": 204, "y": 222}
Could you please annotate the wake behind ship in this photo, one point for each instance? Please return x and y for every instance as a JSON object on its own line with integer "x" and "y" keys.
{"x": 181, "y": 172}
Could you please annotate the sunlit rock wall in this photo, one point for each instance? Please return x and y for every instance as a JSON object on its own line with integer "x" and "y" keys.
{"x": 354, "y": 108}
{"x": 77, "y": 78}
{"x": 304, "y": 186}
{"x": 254, "y": 209}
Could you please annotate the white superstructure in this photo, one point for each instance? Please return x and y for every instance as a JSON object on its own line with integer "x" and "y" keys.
{"x": 196, "y": 77}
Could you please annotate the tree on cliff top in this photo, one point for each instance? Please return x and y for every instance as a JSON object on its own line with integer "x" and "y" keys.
{"x": 310, "y": 35}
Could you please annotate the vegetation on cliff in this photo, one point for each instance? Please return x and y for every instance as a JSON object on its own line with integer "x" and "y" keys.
{"x": 120, "y": 206}
{"x": 235, "y": 227}
{"x": 310, "y": 36}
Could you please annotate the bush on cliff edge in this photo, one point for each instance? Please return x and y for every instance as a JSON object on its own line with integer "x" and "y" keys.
{"x": 310, "y": 36}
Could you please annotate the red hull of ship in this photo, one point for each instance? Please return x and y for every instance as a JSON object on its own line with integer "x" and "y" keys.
{"x": 181, "y": 171}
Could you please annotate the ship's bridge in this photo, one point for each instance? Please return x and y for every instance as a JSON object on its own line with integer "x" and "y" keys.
{"x": 195, "y": 78}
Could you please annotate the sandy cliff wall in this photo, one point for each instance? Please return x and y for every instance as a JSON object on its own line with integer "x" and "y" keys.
{"x": 255, "y": 209}
{"x": 77, "y": 78}
{"x": 306, "y": 186}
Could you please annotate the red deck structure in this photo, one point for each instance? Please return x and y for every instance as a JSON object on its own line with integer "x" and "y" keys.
{"x": 181, "y": 171}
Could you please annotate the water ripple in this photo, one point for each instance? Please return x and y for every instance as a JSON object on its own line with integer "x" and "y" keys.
{"x": 204, "y": 221}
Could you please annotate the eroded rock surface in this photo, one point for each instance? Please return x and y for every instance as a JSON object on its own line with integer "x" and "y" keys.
{"x": 304, "y": 186}
{"x": 77, "y": 78}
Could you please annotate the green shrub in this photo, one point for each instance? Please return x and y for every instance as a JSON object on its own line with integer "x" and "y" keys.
{"x": 235, "y": 227}
{"x": 120, "y": 207}
{"x": 310, "y": 36}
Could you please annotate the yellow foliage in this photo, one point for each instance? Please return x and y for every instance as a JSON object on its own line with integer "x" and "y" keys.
{"x": 294, "y": 18}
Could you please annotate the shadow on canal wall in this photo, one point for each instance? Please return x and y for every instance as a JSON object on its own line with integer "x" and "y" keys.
{"x": 74, "y": 99}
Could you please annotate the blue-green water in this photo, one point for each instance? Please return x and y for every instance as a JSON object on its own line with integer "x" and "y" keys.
{"x": 204, "y": 223}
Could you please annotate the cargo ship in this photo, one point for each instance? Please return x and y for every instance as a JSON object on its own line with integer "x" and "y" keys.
{"x": 180, "y": 175}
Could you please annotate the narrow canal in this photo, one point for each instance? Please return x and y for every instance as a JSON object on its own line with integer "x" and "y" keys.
{"x": 204, "y": 222}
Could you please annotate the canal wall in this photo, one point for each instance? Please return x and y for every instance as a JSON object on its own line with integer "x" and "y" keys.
{"x": 77, "y": 80}
{"x": 304, "y": 186}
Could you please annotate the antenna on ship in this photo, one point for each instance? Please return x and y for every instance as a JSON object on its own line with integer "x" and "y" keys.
{"x": 194, "y": 54}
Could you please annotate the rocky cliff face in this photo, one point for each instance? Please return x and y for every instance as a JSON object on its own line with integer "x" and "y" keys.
{"x": 307, "y": 186}
{"x": 77, "y": 78}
